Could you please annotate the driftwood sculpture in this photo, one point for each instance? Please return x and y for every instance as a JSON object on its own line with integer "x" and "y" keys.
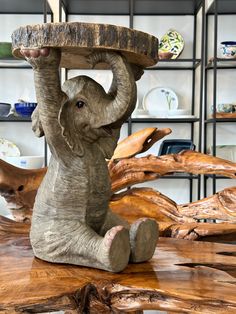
{"x": 180, "y": 221}
{"x": 71, "y": 220}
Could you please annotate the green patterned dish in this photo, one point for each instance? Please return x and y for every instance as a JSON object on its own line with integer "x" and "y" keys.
{"x": 172, "y": 42}
{"x": 5, "y": 50}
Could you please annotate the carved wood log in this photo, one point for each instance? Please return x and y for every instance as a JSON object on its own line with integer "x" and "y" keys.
{"x": 183, "y": 276}
{"x": 131, "y": 171}
{"x": 77, "y": 40}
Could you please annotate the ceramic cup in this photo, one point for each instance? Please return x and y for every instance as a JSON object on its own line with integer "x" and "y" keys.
{"x": 228, "y": 49}
{"x": 225, "y": 107}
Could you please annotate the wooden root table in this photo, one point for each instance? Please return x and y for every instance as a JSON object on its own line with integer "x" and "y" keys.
{"x": 183, "y": 277}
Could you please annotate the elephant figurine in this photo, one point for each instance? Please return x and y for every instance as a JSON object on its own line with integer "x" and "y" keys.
{"x": 71, "y": 220}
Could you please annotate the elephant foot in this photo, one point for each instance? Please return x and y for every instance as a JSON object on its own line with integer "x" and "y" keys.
{"x": 115, "y": 249}
{"x": 143, "y": 239}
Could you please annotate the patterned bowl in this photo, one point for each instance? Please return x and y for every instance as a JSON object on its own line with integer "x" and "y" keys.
{"x": 25, "y": 109}
{"x": 228, "y": 49}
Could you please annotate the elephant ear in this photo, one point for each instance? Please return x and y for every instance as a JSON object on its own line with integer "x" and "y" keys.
{"x": 36, "y": 123}
{"x": 69, "y": 131}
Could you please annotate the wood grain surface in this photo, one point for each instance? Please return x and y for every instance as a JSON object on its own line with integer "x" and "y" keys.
{"x": 183, "y": 276}
{"x": 77, "y": 40}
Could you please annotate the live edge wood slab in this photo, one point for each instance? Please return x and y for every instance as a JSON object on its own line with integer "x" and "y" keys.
{"x": 77, "y": 40}
{"x": 182, "y": 276}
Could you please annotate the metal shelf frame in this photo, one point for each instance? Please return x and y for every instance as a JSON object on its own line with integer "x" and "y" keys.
{"x": 218, "y": 7}
{"x": 23, "y": 7}
{"x": 131, "y": 8}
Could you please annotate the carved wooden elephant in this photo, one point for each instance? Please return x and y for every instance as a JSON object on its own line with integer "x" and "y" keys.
{"x": 71, "y": 220}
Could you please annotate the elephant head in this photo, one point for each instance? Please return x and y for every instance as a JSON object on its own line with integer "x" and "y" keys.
{"x": 90, "y": 114}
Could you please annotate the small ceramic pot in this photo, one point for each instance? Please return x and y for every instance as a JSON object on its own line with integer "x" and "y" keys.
{"x": 229, "y": 108}
{"x": 25, "y": 109}
{"x": 228, "y": 49}
{"x": 4, "y": 109}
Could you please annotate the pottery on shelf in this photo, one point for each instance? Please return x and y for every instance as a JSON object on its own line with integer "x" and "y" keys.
{"x": 228, "y": 49}
{"x": 5, "y": 50}
{"x": 25, "y": 109}
{"x": 5, "y": 109}
{"x": 171, "y": 43}
{"x": 225, "y": 107}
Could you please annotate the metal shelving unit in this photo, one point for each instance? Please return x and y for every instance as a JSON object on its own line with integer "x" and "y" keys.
{"x": 22, "y": 7}
{"x": 131, "y": 8}
{"x": 218, "y": 7}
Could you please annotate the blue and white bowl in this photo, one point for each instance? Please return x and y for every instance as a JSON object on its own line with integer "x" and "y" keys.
{"x": 25, "y": 109}
{"x": 228, "y": 49}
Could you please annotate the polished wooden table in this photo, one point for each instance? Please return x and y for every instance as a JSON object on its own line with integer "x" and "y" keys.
{"x": 182, "y": 277}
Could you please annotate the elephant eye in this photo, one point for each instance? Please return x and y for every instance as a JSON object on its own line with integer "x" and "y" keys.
{"x": 80, "y": 104}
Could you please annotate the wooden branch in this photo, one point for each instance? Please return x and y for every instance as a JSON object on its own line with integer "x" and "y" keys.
{"x": 9, "y": 228}
{"x": 172, "y": 280}
{"x": 19, "y": 187}
{"x": 139, "y": 142}
{"x": 211, "y": 232}
{"x": 220, "y": 206}
{"x": 186, "y": 161}
{"x": 181, "y": 221}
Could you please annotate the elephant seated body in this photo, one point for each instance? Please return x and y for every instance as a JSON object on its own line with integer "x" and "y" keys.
{"x": 71, "y": 220}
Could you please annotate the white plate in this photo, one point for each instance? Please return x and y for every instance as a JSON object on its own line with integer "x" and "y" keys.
{"x": 8, "y": 148}
{"x": 182, "y": 116}
{"x": 159, "y": 100}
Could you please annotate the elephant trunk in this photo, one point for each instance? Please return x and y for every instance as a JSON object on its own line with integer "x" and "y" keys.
{"x": 121, "y": 98}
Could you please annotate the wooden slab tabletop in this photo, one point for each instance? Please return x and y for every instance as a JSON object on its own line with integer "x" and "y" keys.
{"x": 183, "y": 276}
{"x": 77, "y": 40}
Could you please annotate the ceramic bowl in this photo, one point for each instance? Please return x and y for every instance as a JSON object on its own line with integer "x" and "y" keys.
{"x": 225, "y": 107}
{"x": 228, "y": 49}
{"x": 4, "y": 109}
{"x": 26, "y": 162}
{"x": 25, "y": 109}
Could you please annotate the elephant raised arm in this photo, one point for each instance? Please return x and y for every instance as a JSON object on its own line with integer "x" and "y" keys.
{"x": 71, "y": 220}
{"x": 82, "y": 110}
